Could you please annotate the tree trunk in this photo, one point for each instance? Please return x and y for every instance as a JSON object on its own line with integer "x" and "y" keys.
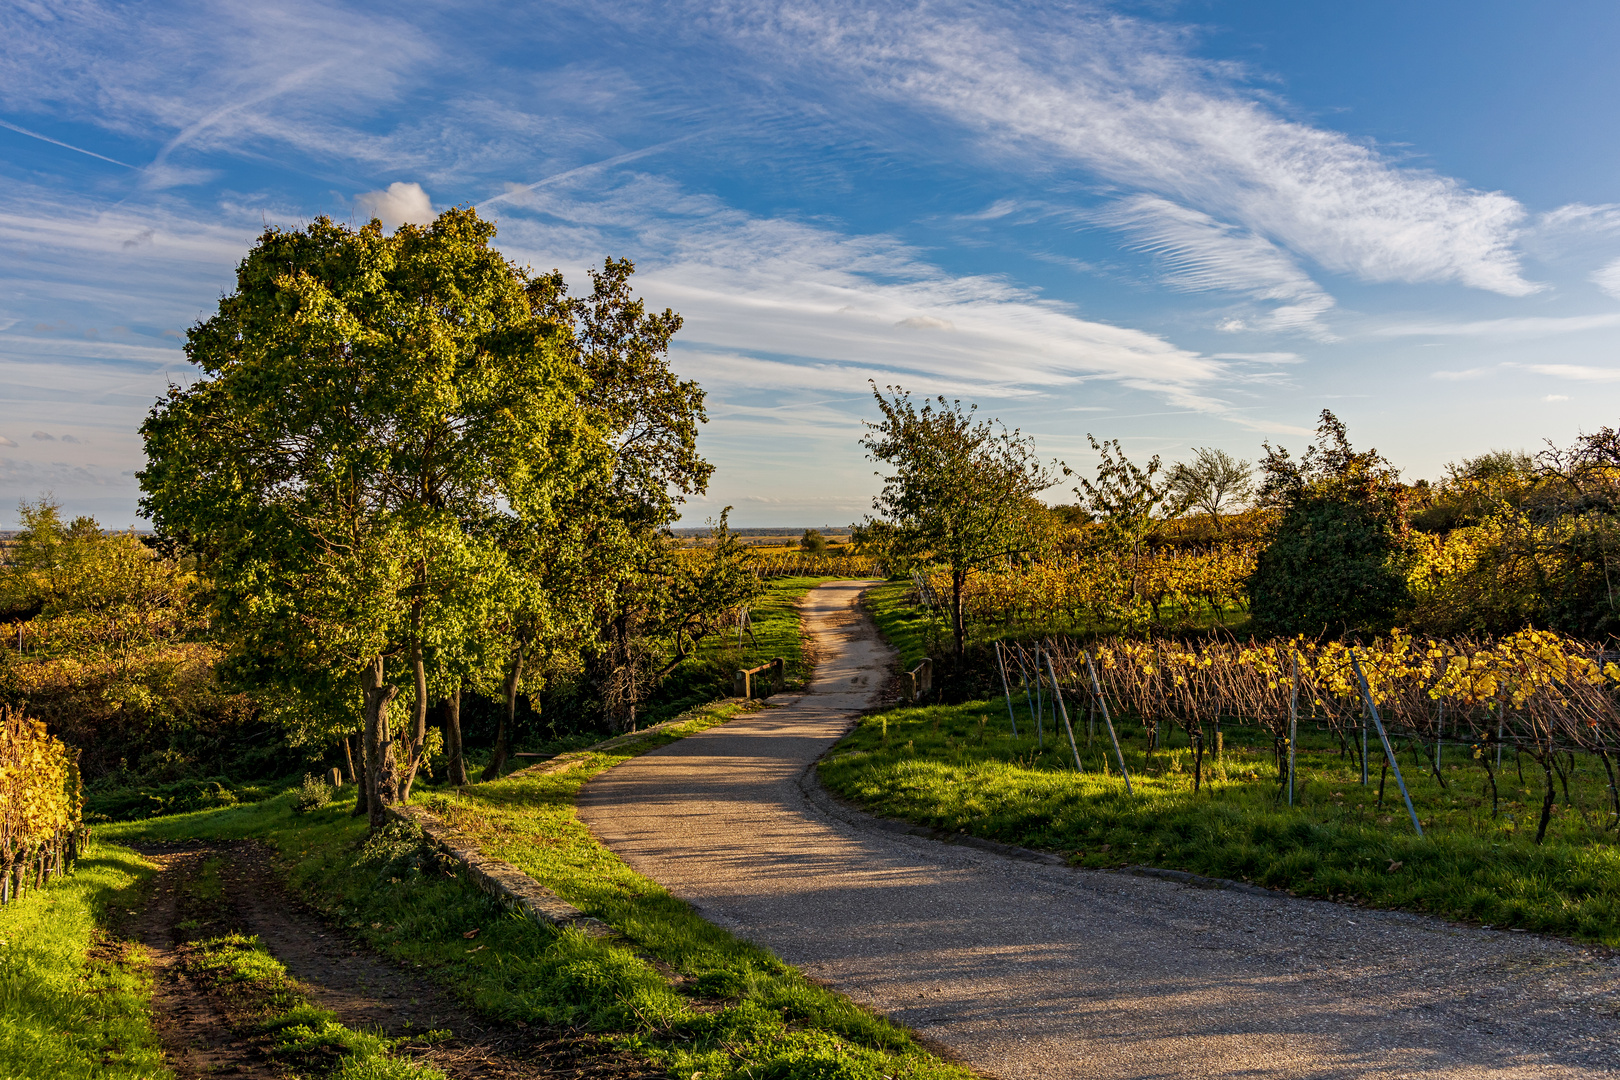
{"x": 384, "y": 773}
{"x": 362, "y": 778}
{"x": 418, "y": 743}
{"x": 450, "y": 722}
{"x": 497, "y": 756}
{"x": 958, "y": 623}
{"x": 348, "y": 758}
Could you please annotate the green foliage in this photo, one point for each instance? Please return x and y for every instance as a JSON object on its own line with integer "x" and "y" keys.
{"x": 1336, "y": 562}
{"x": 773, "y": 630}
{"x": 312, "y": 794}
{"x": 128, "y": 797}
{"x": 72, "y": 1001}
{"x": 937, "y": 767}
{"x": 103, "y": 653}
{"x": 374, "y": 410}
{"x": 1125, "y": 499}
{"x": 962, "y": 493}
{"x": 84, "y": 591}
{"x": 1332, "y": 568}
{"x": 813, "y": 542}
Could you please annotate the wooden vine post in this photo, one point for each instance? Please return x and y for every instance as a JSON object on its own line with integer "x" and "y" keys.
{"x": 1006, "y": 691}
{"x": 1293, "y": 722}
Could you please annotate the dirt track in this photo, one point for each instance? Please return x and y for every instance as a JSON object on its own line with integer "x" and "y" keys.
{"x": 1029, "y": 970}
{"x": 364, "y": 990}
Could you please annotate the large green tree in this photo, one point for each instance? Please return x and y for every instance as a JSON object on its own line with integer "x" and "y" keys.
{"x": 609, "y": 580}
{"x": 1335, "y": 562}
{"x": 370, "y": 404}
{"x": 961, "y": 491}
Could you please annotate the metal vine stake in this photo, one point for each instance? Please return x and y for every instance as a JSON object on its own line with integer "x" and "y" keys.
{"x": 1389, "y": 751}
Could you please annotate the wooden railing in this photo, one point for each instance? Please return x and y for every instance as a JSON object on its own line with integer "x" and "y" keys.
{"x": 919, "y": 681}
{"x": 745, "y": 684}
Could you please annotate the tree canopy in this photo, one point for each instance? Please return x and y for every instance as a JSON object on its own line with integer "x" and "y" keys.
{"x": 962, "y": 491}
{"x": 371, "y": 406}
{"x": 1334, "y": 563}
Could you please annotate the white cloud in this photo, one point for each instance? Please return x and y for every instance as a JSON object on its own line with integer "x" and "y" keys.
{"x": 1556, "y": 397}
{"x": 1580, "y": 218}
{"x": 1528, "y": 326}
{"x": 1261, "y": 357}
{"x": 1196, "y": 253}
{"x": 7, "y": 442}
{"x": 1608, "y": 279}
{"x": 400, "y": 204}
{"x": 200, "y": 76}
{"x": 1576, "y": 372}
{"x": 770, "y": 285}
{"x": 803, "y": 296}
{"x": 1123, "y": 99}
{"x": 927, "y": 322}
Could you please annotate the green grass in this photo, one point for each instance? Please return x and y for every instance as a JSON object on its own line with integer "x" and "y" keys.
{"x": 912, "y": 631}
{"x": 72, "y": 1002}
{"x": 707, "y": 674}
{"x": 932, "y": 766}
{"x": 669, "y": 987}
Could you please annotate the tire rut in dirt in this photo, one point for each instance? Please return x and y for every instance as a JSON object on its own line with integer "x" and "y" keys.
{"x": 363, "y": 989}
{"x": 193, "y": 1028}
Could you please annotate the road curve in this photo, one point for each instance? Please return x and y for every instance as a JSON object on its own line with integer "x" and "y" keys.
{"x": 1027, "y": 970}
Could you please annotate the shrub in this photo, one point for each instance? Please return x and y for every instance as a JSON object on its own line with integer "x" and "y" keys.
{"x": 312, "y": 794}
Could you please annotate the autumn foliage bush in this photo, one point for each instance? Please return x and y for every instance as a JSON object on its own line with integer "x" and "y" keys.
{"x": 40, "y": 804}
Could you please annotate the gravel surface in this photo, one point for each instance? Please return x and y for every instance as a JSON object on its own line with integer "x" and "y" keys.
{"x": 1022, "y": 969}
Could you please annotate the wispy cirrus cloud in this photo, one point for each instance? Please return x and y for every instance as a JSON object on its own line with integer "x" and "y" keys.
{"x": 1125, "y": 100}
{"x": 242, "y": 78}
{"x": 1523, "y": 326}
{"x": 1607, "y": 278}
{"x": 1577, "y": 372}
{"x": 778, "y": 288}
{"x": 1196, "y": 253}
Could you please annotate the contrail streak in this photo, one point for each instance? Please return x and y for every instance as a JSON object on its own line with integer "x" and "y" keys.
{"x": 59, "y": 142}
{"x": 604, "y": 164}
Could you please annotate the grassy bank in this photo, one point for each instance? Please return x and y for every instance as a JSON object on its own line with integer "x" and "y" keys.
{"x": 938, "y": 766}
{"x": 72, "y": 999}
{"x": 706, "y": 676}
{"x": 669, "y": 987}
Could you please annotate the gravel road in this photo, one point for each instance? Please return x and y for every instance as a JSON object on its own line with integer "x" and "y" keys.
{"x": 1023, "y": 969}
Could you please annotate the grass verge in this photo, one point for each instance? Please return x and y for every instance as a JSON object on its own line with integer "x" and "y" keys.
{"x": 939, "y": 766}
{"x": 670, "y": 988}
{"x": 774, "y": 620}
{"x": 73, "y": 1001}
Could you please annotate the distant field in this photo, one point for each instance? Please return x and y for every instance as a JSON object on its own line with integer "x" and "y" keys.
{"x": 767, "y": 538}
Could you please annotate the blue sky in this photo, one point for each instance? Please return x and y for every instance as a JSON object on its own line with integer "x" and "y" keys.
{"x": 1178, "y": 224}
